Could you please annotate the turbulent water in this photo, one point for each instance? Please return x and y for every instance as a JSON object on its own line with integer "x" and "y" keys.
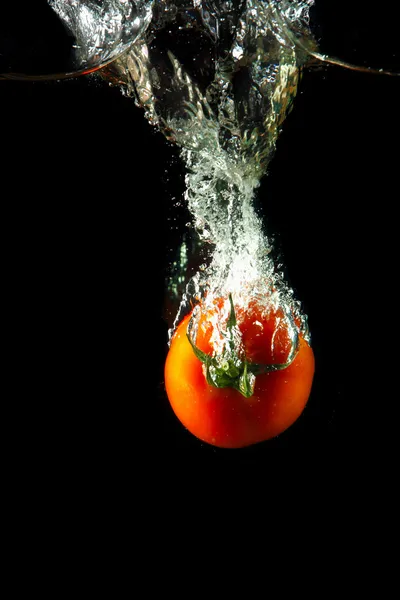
{"x": 102, "y": 28}
{"x": 217, "y": 78}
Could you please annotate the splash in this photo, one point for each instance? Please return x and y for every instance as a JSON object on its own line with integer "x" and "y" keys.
{"x": 102, "y": 29}
{"x": 218, "y": 79}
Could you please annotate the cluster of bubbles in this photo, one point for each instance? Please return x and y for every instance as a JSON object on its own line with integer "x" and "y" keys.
{"x": 216, "y": 77}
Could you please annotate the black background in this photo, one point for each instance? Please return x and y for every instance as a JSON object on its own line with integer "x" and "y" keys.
{"x": 89, "y": 222}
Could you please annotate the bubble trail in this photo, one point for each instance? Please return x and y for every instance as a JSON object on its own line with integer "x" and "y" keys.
{"x": 218, "y": 78}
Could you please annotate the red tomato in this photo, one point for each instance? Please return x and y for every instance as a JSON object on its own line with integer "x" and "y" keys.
{"x": 223, "y": 416}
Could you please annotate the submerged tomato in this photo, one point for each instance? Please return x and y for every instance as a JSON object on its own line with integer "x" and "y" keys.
{"x": 223, "y": 416}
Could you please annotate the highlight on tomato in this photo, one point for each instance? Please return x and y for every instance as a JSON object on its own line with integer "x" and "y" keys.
{"x": 236, "y": 376}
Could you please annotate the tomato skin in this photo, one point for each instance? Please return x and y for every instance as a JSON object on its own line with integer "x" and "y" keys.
{"x": 223, "y": 417}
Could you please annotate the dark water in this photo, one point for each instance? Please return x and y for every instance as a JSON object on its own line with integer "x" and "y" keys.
{"x": 89, "y": 224}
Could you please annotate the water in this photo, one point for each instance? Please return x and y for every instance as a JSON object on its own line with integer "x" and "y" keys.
{"x": 217, "y": 79}
{"x": 102, "y": 29}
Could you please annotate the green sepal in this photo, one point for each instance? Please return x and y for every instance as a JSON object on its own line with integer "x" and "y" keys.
{"x": 232, "y": 371}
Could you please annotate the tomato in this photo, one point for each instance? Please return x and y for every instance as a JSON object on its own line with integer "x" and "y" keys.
{"x": 248, "y": 396}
